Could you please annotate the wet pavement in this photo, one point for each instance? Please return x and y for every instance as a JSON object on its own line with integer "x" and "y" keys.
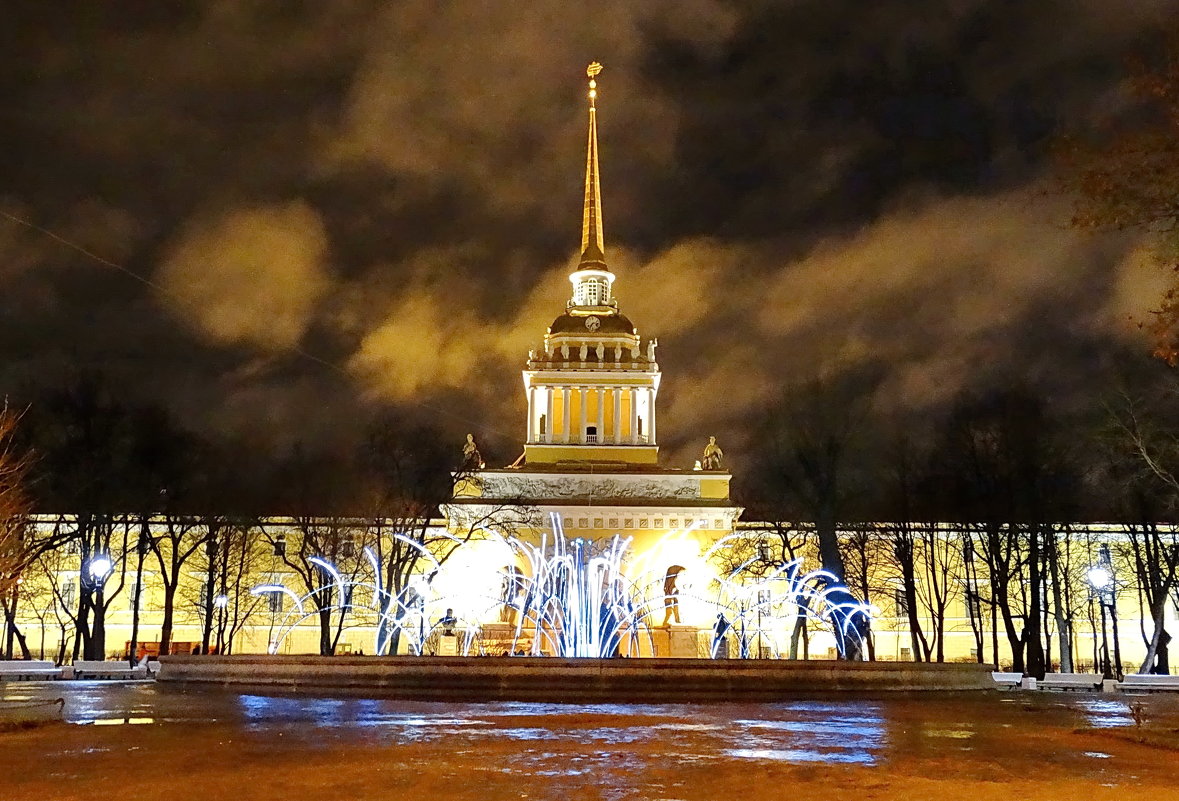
{"x": 130, "y": 739}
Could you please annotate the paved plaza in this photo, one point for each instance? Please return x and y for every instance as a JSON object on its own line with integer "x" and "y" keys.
{"x": 142, "y": 741}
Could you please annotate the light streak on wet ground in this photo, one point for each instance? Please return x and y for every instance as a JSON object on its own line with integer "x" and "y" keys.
{"x": 532, "y": 750}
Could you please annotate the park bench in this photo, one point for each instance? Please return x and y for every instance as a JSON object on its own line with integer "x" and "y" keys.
{"x": 1070, "y": 681}
{"x": 93, "y": 669}
{"x": 1006, "y": 680}
{"x": 28, "y": 670}
{"x": 1148, "y": 682}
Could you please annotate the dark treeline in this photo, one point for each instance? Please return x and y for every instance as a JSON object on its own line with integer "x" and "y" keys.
{"x": 983, "y": 504}
{"x": 989, "y": 505}
{"x": 127, "y": 486}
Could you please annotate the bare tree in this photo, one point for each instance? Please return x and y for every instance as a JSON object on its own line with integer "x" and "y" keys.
{"x": 17, "y": 546}
{"x": 15, "y": 505}
{"x": 765, "y": 549}
{"x": 181, "y": 537}
{"x": 862, "y": 547}
{"x": 230, "y": 565}
{"x": 1005, "y": 479}
{"x": 62, "y": 603}
{"x": 301, "y": 543}
{"x": 808, "y": 438}
{"x": 1151, "y": 550}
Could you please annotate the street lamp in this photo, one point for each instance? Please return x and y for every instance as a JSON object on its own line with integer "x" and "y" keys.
{"x": 220, "y": 603}
{"x": 1099, "y": 578}
{"x": 1103, "y": 587}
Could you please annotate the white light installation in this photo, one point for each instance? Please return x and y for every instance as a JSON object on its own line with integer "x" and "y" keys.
{"x": 580, "y": 598}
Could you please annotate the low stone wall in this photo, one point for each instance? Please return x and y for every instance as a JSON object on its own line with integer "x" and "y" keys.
{"x": 567, "y": 680}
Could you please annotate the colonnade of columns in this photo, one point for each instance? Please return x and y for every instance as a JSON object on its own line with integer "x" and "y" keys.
{"x": 543, "y": 428}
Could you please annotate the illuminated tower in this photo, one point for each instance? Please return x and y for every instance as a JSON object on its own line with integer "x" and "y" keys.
{"x": 590, "y": 450}
{"x": 592, "y": 388}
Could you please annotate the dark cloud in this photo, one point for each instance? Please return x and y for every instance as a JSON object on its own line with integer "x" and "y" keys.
{"x": 394, "y": 188}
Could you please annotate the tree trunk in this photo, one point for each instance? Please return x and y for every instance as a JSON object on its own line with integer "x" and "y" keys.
{"x": 1063, "y": 624}
{"x": 325, "y": 631}
{"x": 1158, "y": 616}
{"x": 133, "y": 650}
{"x": 166, "y": 626}
{"x": 14, "y": 632}
{"x": 97, "y": 646}
{"x": 796, "y": 634}
{"x": 1014, "y": 638}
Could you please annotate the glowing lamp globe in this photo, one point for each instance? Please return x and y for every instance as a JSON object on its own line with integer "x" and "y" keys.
{"x": 100, "y": 567}
{"x": 1099, "y": 578}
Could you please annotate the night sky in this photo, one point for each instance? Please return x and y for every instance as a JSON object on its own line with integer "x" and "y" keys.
{"x": 342, "y": 206}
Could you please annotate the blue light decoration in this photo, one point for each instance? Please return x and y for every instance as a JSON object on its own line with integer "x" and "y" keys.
{"x": 573, "y": 598}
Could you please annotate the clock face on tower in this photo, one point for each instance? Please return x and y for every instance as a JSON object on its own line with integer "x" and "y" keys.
{"x": 593, "y": 323}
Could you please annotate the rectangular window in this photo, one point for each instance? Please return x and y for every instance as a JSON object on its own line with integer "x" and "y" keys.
{"x": 69, "y": 594}
{"x": 901, "y": 602}
{"x": 972, "y": 605}
{"x": 278, "y": 602}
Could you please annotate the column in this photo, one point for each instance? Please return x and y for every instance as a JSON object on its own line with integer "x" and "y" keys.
{"x": 531, "y": 435}
{"x": 548, "y": 417}
{"x": 566, "y": 414}
{"x": 617, "y": 416}
{"x": 651, "y": 415}
{"x": 601, "y": 415}
{"x": 634, "y": 416}
{"x": 581, "y": 414}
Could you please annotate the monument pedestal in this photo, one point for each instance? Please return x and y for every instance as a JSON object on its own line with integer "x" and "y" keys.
{"x": 678, "y": 642}
{"x": 682, "y": 642}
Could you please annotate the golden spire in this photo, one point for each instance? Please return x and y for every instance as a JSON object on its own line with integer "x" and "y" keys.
{"x": 592, "y": 241}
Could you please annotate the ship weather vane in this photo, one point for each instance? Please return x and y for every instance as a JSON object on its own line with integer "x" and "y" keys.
{"x": 591, "y": 72}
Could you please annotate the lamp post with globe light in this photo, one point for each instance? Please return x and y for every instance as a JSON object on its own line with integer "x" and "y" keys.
{"x": 95, "y": 572}
{"x": 1103, "y": 586}
{"x": 221, "y": 604}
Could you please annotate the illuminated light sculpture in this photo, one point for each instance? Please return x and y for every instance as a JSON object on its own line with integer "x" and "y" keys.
{"x": 406, "y": 613}
{"x": 576, "y": 603}
{"x": 576, "y": 600}
{"x": 757, "y": 606}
